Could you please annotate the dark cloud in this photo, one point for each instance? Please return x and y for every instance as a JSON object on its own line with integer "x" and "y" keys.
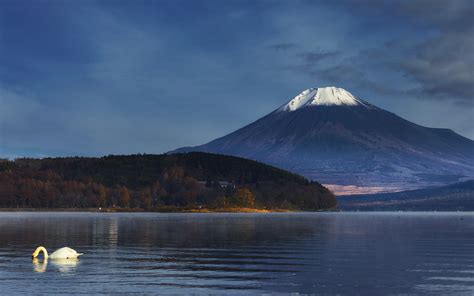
{"x": 430, "y": 49}
{"x": 444, "y": 63}
{"x": 441, "y": 60}
{"x": 447, "y": 15}
{"x": 310, "y": 62}
{"x": 283, "y": 46}
{"x": 314, "y": 57}
{"x": 444, "y": 67}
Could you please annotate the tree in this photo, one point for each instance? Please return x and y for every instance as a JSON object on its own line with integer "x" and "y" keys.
{"x": 157, "y": 192}
{"x": 170, "y": 180}
{"x": 102, "y": 195}
{"x": 146, "y": 199}
{"x": 124, "y": 197}
{"x": 244, "y": 197}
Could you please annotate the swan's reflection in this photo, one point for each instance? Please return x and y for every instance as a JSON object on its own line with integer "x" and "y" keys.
{"x": 63, "y": 265}
{"x": 40, "y": 266}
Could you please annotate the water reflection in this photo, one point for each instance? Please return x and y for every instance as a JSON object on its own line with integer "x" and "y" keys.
{"x": 40, "y": 265}
{"x": 241, "y": 254}
{"x": 113, "y": 232}
{"x": 65, "y": 265}
{"x": 62, "y": 265}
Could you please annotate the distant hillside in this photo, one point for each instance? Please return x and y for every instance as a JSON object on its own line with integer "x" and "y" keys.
{"x": 455, "y": 197}
{"x": 155, "y": 181}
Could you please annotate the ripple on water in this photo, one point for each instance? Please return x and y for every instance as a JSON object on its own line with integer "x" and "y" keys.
{"x": 325, "y": 253}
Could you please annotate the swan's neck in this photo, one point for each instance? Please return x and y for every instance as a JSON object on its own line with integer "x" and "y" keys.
{"x": 39, "y": 250}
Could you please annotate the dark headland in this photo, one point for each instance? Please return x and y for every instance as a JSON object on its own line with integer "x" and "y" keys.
{"x": 180, "y": 182}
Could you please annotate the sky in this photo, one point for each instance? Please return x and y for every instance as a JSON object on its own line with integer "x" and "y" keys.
{"x": 93, "y": 78}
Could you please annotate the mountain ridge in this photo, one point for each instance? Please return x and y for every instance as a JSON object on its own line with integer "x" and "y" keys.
{"x": 350, "y": 144}
{"x": 452, "y": 197}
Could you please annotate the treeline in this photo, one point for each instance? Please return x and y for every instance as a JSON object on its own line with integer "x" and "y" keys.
{"x": 154, "y": 182}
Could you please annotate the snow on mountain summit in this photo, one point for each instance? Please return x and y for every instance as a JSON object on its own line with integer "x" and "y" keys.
{"x": 323, "y": 96}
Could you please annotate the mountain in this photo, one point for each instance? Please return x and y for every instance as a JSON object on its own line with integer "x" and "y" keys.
{"x": 331, "y": 136}
{"x": 454, "y": 197}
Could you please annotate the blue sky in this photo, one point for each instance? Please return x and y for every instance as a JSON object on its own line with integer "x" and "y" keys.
{"x": 119, "y": 77}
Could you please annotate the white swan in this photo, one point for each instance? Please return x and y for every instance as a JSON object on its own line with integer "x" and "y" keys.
{"x": 63, "y": 253}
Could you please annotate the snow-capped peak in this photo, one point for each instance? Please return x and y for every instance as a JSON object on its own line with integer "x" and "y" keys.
{"x": 323, "y": 96}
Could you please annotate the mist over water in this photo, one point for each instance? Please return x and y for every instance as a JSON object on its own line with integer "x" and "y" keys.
{"x": 326, "y": 253}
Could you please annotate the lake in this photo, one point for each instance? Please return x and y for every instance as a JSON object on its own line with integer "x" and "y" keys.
{"x": 320, "y": 253}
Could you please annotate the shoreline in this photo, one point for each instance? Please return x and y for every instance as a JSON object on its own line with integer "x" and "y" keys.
{"x": 206, "y": 210}
{"x": 161, "y": 210}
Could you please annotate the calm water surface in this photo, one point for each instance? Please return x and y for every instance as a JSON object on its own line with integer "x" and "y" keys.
{"x": 318, "y": 253}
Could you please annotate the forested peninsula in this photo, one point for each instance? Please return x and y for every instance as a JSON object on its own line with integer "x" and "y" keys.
{"x": 187, "y": 181}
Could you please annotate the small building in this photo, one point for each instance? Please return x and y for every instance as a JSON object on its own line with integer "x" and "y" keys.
{"x": 214, "y": 184}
